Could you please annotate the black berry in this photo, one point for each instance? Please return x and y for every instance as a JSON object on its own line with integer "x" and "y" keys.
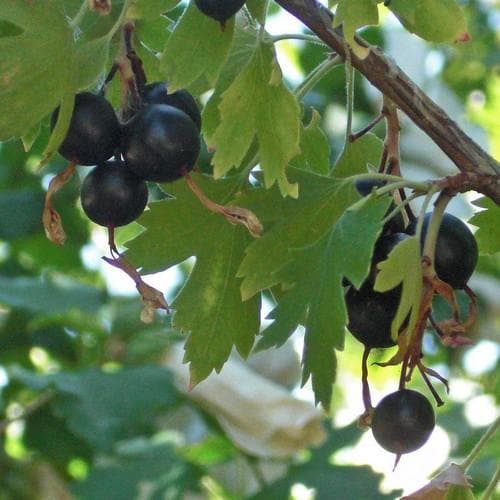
{"x": 403, "y": 421}
{"x": 112, "y": 196}
{"x": 157, "y": 93}
{"x": 220, "y": 10}
{"x": 371, "y": 313}
{"x": 456, "y": 251}
{"x": 94, "y": 133}
{"x": 161, "y": 143}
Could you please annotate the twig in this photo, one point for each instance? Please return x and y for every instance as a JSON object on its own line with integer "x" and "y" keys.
{"x": 386, "y": 76}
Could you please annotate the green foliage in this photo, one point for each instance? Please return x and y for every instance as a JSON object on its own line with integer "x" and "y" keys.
{"x": 142, "y": 467}
{"x": 257, "y": 105}
{"x": 86, "y": 377}
{"x": 420, "y": 17}
{"x": 195, "y": 51}
{"x": 316, "y": 273}
{"x": 354, "y": 15}
{"x": 210, "y": 303}
{"x": 488, "y": 233}
{"x": 100, "y": 407}
{"x": 403, "y": 268}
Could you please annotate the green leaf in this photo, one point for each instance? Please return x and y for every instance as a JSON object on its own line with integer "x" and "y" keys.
{"x": 433, "y": 20}
{"x": 35, "y": 75}
{"x": 297, "y": 223}
{"x": 258, "y": 9}
{"x": 100, "y": 407}
{"x": 315, "y": 147}
{"x": 241, "y": 52}
{"x": 357, "y": 155}
{"x": 209, "y": 305}
{"x": 317, "y": 293}
{"x": 403, "y": 267}
{"x": 257, "y": 105}
{"x": 149, "y": 9}
{"x": 196, "y": 48}
{"x": 60, "y": 295}
{"x": 488, "y": 233}
{"x": 354, "y": 15}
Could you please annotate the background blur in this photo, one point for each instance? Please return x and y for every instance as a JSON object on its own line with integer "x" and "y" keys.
{"x": 95, "y": 404}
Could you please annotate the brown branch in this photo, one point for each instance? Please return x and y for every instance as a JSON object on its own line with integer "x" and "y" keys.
{"x": 386, "y": 76}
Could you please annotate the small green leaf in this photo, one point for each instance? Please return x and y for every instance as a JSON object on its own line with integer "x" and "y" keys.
{"x": 433, "y": 20}
{"x": 357, "y": 155}
{"x": 354, "y": 15}
{"x": 258, "y": 105}
{"x": 488, "y": 233}
{"x": 403, "y": 267}
{"x": 196, "y": 48}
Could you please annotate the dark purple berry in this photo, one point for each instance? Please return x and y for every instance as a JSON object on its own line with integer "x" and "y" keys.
{"x": 370, "y": 314}
{"x": 94, "y": 133}
{"x": 112, "y": 196}
{"x": 156, "y": 93}
{"x": 403, "y": 421}
{"x": 161, "y": 143}
{"x": 456, "y": 251}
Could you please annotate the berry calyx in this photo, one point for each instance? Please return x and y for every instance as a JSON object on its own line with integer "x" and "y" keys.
{"x": 456, "y": 251}
{"x": 220, "y": 10}
{"x": 161, "y": 143}
{"x": 157, "y": 93}
{"x": 94, "y": 133}
{"x": 403, "y": 421}
{"x": 112, "y": 196}
{"x": 370, "y": 315}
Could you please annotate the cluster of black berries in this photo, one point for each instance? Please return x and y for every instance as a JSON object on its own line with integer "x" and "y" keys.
{"x": 403, "y": 420}
{"x": 160, "y": 143}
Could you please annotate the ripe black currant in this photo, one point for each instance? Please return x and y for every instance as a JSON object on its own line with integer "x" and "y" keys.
{"x": 94, "y": 132}
{"x": 403, "y": 421}
{"x": 161, "y": 143}
{"x": 371, "y": 313}
{"x": 456, "y": 250}
{"x": 112, "y": 196}
{"x": 157, "y": 93}
{"x": 220, "y": 10}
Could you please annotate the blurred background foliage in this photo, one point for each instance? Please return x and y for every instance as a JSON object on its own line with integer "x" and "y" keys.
{"x": 88, "y": 407}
